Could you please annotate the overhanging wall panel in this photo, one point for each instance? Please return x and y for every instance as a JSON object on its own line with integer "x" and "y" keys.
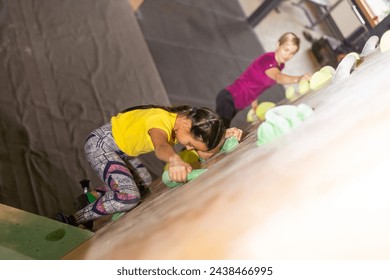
{"x": 199, "y": 47}
{"x": 67, "y": 66}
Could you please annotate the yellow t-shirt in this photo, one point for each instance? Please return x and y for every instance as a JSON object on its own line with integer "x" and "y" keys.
{"x": 131, "y": 129}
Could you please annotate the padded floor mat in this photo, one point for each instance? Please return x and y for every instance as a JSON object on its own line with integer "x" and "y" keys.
{"x": 29, "y": 236}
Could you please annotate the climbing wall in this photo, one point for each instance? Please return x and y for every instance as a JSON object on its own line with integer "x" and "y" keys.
{"x": 318, "y": 192}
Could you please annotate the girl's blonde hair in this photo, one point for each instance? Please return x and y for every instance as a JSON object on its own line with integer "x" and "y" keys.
{"x": 289, "y": 37}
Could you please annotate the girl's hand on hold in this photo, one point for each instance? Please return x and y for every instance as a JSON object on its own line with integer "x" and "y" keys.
{"x": 178, "y": 169}
{"x": 233, "y": 131}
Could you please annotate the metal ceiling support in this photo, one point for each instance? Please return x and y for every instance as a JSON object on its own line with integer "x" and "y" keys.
{"x": 264, "y": 9}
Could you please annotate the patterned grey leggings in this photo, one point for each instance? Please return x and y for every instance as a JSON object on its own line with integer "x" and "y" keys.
{"x": 120, "y": 173}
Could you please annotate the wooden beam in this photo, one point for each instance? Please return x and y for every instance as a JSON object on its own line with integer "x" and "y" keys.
{"x": 369, "y": 15}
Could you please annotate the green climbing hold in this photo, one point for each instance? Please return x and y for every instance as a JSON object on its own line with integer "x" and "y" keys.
{"x": 116, "y": 216}
{"x": 280, "y": 120}
{"x": 230, "y": 144}
{"x": 190, "y": 176}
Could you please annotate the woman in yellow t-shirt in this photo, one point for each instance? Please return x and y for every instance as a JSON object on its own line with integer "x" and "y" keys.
{"x": 112, "y": 152}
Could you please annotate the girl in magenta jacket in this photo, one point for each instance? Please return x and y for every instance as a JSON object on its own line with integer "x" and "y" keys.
{"x": 260, "y": 75}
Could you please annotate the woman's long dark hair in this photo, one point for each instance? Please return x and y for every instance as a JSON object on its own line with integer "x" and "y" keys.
{"x": 207, "y": 126}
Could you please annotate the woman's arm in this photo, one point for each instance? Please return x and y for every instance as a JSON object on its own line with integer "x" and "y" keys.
{"x": 275, "y": 74}
{"x": 177, "y": 168}
{"x": 254, "y": 104}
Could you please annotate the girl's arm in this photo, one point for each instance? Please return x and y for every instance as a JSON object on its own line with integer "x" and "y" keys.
{"x": 275, "y": 74}
{"x": 177, "y": 168}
